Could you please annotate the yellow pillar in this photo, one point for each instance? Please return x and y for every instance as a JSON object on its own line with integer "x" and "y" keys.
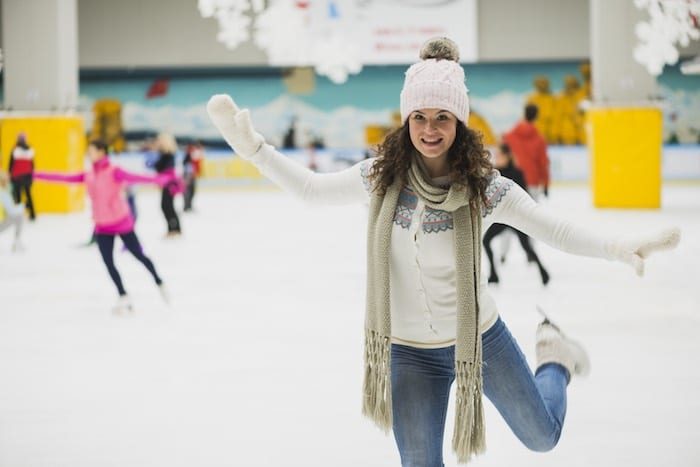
{"x": 59, "y": 146}
{"x": 625, "y": 146}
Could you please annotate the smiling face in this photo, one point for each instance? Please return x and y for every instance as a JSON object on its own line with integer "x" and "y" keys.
{"x": 432, "y": 133}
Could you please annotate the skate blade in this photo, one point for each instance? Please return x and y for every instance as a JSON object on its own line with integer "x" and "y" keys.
{"x": 546, "y": 318}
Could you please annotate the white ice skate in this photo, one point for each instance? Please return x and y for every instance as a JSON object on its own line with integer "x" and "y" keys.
{"x": 123, "y": 305}
{"x": 17, "y": 247}
{"x": 555, "y": 347}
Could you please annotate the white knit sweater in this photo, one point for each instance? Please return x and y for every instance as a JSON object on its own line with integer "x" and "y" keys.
{"x": 422, "y": 269}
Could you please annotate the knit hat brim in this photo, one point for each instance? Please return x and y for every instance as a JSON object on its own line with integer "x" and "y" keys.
{"x": 435, "y": 95}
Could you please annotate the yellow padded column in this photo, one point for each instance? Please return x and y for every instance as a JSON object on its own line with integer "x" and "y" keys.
{"x": 625, "y": 146}
{"x": 59, "y": 146}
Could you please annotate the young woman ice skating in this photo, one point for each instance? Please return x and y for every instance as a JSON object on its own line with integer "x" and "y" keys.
{"x": 165, "y": 165}
{"x": 191, "y": 171}
{"x": 429, "y": 320}
{"x": 110, "y": 211}
{"x": 21, "y": 168}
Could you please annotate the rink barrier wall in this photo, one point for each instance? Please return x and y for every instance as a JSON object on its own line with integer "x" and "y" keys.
{"x": 59, "y": 145}
{"x": 625, "y": 145}
{"x": 569, "y": 164}
{"x": 679, "y": 162}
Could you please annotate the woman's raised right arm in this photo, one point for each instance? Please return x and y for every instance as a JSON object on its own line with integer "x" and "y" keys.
{"x": 342, "y": 187}
{"x": 346, "y": 186}
{"x": 60, "y": 178}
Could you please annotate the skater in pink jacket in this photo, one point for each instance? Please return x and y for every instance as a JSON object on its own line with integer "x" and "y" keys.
{"x": 110, "y": 212}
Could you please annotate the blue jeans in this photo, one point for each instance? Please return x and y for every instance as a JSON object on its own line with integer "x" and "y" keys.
{"x": 533, "y": 406}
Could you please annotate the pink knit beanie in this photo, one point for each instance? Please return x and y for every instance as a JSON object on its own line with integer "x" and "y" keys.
{"x": 436, "y": 82}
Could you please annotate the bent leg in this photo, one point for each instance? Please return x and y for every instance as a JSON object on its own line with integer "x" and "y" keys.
{"x": 491, "y": 233}
{"x": 105, "y": 242}
{"x": 16, "y": 193}
{"x": 533, "y": 406}
{"x": 28, "y": 193}
{"x": 131, "y": 242}
{"x": 531, "y": 255}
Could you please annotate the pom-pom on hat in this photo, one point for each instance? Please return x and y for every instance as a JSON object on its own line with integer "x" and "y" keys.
{"x": 436, "y": 82}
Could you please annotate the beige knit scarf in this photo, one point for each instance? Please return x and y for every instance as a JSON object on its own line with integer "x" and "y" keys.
{"x": 469, "y": 436}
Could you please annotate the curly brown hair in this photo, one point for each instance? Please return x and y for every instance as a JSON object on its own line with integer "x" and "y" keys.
{"x": 469, "y": 162}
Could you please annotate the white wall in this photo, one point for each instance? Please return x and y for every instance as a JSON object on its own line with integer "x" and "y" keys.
{"x": 153, "y": 33}
{"x": 533, "y": 29}
{"x": 40, "y": 56}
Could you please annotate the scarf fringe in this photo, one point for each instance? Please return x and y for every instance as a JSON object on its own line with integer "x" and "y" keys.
{"x": 469, "y": 437}
{"x": 376, "y": 387}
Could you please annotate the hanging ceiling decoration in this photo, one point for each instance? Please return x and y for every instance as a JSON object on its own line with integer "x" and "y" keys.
{"x": 292, "y": 32}
{"x": 671, "y": 23}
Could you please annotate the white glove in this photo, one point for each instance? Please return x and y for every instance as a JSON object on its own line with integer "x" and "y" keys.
{"x": 635, "y": 250}
{"x": 234, "y": 125}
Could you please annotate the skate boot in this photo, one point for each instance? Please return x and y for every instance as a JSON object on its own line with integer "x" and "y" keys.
{"x": 554, "y": 347}
{"x": 123, "y": 305}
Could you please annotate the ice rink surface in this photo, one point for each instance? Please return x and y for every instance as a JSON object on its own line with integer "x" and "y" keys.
{"x": 258, "y": 362}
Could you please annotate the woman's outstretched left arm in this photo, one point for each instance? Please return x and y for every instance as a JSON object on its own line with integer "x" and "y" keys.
{"x": 509, "y": 204}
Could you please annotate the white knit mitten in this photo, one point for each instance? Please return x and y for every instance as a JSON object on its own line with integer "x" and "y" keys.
{"x": 234, "y": 125}
{"x": 634, "y": 250}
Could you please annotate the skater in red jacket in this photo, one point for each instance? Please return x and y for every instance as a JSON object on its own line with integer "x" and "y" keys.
{"x": 21, "y": 169}
{"x": 530, "y": 150}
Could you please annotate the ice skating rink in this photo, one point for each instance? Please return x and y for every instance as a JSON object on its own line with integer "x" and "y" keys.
{"x": 258, "y": 362}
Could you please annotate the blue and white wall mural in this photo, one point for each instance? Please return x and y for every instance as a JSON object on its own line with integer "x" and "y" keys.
{"x": 338, "y": 114}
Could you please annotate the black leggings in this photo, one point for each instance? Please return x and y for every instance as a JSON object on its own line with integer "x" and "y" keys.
{"x": 20, "y": 184}
{"x": 497, "y": 229}
{"x": 106, "y": 244}
{"x": 167, "y": 205}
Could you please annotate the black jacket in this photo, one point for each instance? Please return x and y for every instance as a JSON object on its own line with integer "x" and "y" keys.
{"x": 165, "y": 161}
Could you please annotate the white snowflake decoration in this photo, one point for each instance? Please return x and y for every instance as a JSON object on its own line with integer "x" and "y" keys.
{"x": 671, "y": 22}
{"x": 282, "y": 30}
{"x": 336, "y": 58}
{"x": 234, "y": 24}
{"x": 292, "y": 32}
